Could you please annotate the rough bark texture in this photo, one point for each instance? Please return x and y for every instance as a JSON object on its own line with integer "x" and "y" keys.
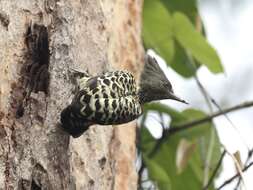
{"x": 35, "y": 153}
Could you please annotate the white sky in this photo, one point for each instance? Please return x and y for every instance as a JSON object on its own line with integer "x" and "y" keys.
{"x": 229, "y": 27}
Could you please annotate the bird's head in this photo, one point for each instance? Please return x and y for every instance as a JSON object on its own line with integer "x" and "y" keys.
{"x": 154, "y": 85}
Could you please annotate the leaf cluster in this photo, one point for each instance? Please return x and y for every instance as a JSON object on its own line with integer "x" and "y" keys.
{"x": 173, "y": 29}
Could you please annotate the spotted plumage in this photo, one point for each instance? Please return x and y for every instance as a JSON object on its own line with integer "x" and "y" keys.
{"x": 108, "y": 99}
{"x": 114, "y": 98}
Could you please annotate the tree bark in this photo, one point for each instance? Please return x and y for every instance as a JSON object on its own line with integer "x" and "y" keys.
{"x": 93, "y": 35}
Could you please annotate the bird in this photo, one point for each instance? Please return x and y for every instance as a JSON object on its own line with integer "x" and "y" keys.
{"x": 115, "y": 98}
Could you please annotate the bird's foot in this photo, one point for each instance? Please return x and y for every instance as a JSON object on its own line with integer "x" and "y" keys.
{"x": 79, "y": 73}
{"x": 78, "y": 77}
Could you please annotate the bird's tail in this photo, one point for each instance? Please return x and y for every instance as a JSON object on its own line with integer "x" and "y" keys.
{"x": 73, "y": 124}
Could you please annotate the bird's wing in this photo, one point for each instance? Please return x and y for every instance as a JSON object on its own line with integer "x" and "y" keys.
{"x": 109, "y": 99}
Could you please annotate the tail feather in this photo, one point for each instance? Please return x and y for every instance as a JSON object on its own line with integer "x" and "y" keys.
{"x": 73, "y": 124}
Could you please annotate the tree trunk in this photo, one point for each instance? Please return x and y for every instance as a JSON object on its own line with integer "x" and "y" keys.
{"x": 93, "y": 35}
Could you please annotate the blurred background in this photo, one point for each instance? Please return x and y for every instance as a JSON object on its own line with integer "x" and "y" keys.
{"x": 229, "y": 29}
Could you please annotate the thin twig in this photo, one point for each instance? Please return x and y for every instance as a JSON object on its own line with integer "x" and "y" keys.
{"x": 247, "y": 161}
{"x": 234, "y": 177}
{"x": 231, "y": 123}
{"x": 211, "y": 140}
{"x": 191, "y": 124}
{"x": 207, "y": 98}
{"x": 239, "y": 168}
{"x": 178, "y": 128}
{"x": 205, "y": 93}
{"x": 215, "y": 170}
{"x": 209, "y": 153}
{"x": 208, "y": 160}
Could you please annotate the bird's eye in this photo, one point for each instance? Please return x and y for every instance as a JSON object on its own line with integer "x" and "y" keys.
{"x": 168, "y": 86}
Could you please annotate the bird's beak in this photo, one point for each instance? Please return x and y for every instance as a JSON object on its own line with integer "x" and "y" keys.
{"x": 174, "y": 97}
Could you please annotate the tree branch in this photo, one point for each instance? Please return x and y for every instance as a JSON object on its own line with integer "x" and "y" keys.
{"x": 234, "y": 177}
{"x": 177, "y": 128}
{"x": 215, "y": 171}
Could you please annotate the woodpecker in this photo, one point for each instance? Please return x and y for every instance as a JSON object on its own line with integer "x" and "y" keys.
{"x": 115, "y": 98}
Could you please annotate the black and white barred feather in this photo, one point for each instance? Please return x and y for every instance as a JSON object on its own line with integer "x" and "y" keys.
{"x": 114, "y": 98}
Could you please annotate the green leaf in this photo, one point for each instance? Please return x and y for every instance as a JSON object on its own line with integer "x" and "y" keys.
{"x": 192, "y": 162}
{"x": 196, "y": 131}
{"x": 147, "y": 141}
{"x": 181, "y": 63}
{"x": 183, "y": 154}
{"x": 184, "y": 151}
{"x": 188, "y": 7}
{"x": 162, "y": 108}
{"x": 166, "y": 159}
{"x": 193, "y": 42}
{"x": 158, "y": 174}
{"x": 157, "y": 29}
{"x": 215, "y": 148}
{"x": 179, "y": 118}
